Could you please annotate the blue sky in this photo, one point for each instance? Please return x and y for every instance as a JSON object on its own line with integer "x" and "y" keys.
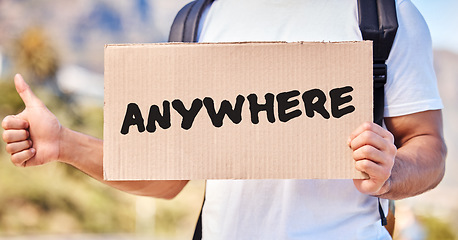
{"x": 442, "y": 19}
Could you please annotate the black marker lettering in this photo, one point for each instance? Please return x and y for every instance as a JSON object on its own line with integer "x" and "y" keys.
{"x": 284, "y": 104}
{"x": 311, "y": 105}
{"x": 187, "y": 115}
{"x": 225, "y": 109}
{"x": 155, "y": 116}
{"x": 288, "y": 102}
{"x": 337, "y": 100}
{"x": 133, "y": 117}
{"x": 255, "y": 108}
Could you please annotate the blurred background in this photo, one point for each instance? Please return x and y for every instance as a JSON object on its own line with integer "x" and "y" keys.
{"x": 58, "y": 47}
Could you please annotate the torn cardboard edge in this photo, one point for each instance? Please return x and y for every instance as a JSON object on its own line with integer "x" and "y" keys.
{"x": 275, "y": 82}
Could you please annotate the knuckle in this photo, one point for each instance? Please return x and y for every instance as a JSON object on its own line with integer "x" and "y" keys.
{"x": 17, "y": 164}
{"x": 366, "y": 151}
{"x": 366, "y": 135}
{"x": 394, "y": 149}
{"x": 6, "y": 121}
{"x": 362, "y": 165}
{"x": 16, "y": 160}
{"x": 367, "y": 125}
{"x": 6, "y": 136}
{"x": 359, "y": 167}
{"x": 391, "y": 149}
{"x": 19, "y": 159}
{"x": 367, "y": 164}
{"x": 356, "y": 155}
{"x": 353, "y": 145}
{"x": 9, "y": 148}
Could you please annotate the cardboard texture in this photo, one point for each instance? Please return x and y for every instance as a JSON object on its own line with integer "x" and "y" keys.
{"x": 284, "y": 84}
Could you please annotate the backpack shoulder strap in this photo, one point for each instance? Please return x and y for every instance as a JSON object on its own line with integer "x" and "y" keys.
{"x": 186, "y": 23}
{"x": 378, "y": 23}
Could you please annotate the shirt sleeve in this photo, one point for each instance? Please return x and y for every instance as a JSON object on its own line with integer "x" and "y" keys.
{"x": 411, "y": 83}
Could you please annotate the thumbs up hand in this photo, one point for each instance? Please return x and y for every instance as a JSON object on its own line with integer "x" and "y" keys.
{"x": 32, "y": 136}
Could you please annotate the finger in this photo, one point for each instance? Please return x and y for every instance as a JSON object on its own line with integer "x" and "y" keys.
{"x": 25, "y": 92}
{"x": 16, "y": 147}
{"x": 368, "y": 152}
{"x": 20, "y": 158}
{"x": 375, "y": 171}
{"x": 369, "y": 126}
{"x": 10, "y": 136}
{"x": 13, "y": 122}
{"x": 368, "y": 187}
{"x": 369, "y": 138}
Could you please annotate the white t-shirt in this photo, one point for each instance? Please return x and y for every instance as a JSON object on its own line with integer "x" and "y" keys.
{"x": 313, "y": 209}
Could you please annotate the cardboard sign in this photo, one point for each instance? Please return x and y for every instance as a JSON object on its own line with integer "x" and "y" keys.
{"x": 234, "y": 110}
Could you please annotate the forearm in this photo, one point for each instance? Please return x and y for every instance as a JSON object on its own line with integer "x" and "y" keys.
{"x": 419, "y": 166}
{"x": 86, "y": 154}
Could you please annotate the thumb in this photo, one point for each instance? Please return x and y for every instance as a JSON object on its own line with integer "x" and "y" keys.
{"x": 25, "y": 92}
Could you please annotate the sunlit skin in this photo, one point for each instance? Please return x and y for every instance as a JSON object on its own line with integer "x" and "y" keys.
{"x": 403, "y": 161}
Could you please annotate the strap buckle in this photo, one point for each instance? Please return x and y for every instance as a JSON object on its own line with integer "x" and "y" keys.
{"x": 380, "y": 74}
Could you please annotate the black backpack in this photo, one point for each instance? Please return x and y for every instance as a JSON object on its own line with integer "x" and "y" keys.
{"x": 377, "y": 22}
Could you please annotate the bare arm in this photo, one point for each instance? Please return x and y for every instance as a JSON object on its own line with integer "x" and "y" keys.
{"x": 86, "y": 153}
{"x": 416, "y": 166}
{"x": 420, "y": 159}
{"x": 35, "y": 137}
